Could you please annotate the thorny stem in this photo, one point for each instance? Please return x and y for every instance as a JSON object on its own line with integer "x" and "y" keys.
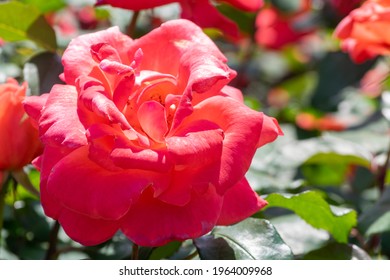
{"x": 133, "y": 24}
{"x": 135, "y": 251}
{"x": 51, "y": 253}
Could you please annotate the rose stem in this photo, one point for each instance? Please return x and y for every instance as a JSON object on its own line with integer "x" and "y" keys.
{"x": 3, "y": 191}
{"x": 381, "y": 179}
{"x": 51, "y": 252}
{"x": 133, "y": 24}
{"x": 134, "y": 252}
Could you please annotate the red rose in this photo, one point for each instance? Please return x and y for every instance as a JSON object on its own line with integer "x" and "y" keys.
{"x": 19, "y": 142}
{"x": 202, "y": 12}
{"x": 364, "y": 31}
{"x": 274, "y": 30}
{"x": 343, "y": 7}
{"x": 147, "y": 137}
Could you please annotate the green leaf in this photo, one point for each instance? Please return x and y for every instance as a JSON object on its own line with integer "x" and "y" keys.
{"x": 288, "y": 6}
{"x": 289, "y": 154}
{"x": 32, "y": 25}
{"x": 336, "y": 72}
{"x": 264, "y": 172}
{"x": 252, "y": 103}
{"x": 46, "y": 5}
{"x": 210, "y": 248}
{"x": 377, "y": 218}
{"x": 324, "y": 174}
{"x": 254, "y": 239}
{"x": 165, "y": 251}
{"x": 382, "y": 224}
{"x": 336, "y": 251}
{"x": 299, "y": 235}
{"x": 333, "y": 150}
{"x": 316, "y": 150}
{"x": 372, "y": 136}
{"x": 313, "y": 208}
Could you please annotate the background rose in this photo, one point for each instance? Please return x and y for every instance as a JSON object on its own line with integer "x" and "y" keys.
{"x": 201, "y": 12}
{"x": 343, "y": 7}
{"x": 149, "y": 138}
{"x": 19, "y": 142}
{"x": 364, "y": 31}
{"x": 275, "y": 29}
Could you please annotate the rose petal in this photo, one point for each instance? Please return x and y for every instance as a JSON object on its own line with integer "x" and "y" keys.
{"x": 102, "y": 51}
{"x": 95, "y": 99}
{"x": 79, "y": 49}
{"x": 123, "y": 91}
{"x": 193, "y": 61}
{"x": 226, "y": 91}
{"x": 151, "y": 222}
{"x": 86, "y": 230}
{"x": 196, "y": 155}
{"x": 183, "y": 110}
{"x": 141, "y": 158}
{"x": 33, "y": 105}
{"x": 242, "y": 129}
{"x": 197, "y": 144}
{"x": 186, "y": 181}
{"x": 54, "y": 127}
{"x": 270, "y": 131}
{"x": 19, "y": 142}
{"x": 49, "y": 158}
{"x": 155, "y": 86}
{"x": 239, "y": 203}
{"x": 233, "y": 92}
{"x": 94, "y": 191}
{"x": 152, "y": 117}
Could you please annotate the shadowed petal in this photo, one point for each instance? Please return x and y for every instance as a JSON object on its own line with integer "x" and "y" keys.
{"x": 239, "y": 203}
{"x": 86, "y": 230}
{"x": 151, "y": 222}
